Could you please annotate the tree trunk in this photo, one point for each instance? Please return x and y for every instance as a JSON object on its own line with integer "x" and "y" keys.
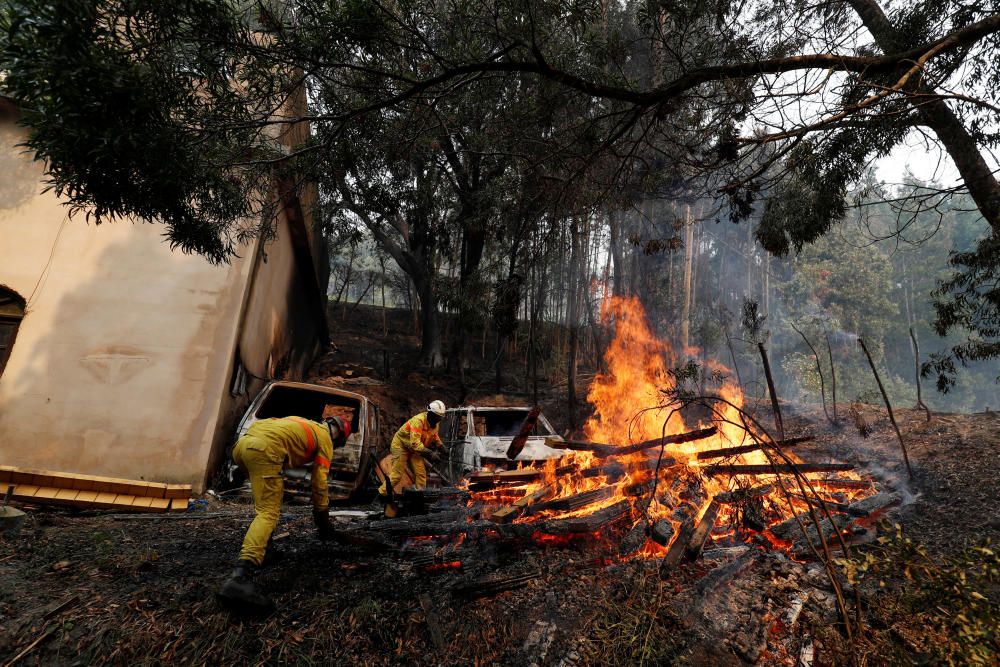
{"x": 571, "y": 321}
{"x": 617, "y": 254}
{"x": 688, "y": 259}
{"x": 935, "y": 114}
{"x": 430, "y": 342}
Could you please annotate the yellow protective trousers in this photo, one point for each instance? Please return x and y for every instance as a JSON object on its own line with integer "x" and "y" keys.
{"x": 262, "y": 460}
{"x": 405, "y": 462}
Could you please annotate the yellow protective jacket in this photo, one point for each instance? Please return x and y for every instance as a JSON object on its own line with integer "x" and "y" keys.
{"x": 416, "y": 435}
{"x": 302, "y": 442}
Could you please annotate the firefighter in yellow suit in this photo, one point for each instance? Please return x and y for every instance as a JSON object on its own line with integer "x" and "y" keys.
{"x": 417, "y": 438}
{"x": 267, "y": 448}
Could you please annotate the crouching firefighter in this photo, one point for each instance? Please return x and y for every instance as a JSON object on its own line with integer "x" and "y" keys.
{"x": 269, "y": 447}
{"x": 417, "y": 438}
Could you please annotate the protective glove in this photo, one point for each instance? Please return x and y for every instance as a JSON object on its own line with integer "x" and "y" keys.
{"x": 323, "y": 526}
{"x": 432, "y": 456}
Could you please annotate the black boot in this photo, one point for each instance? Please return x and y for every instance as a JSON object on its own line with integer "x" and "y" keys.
{"x": 239, "y": 594}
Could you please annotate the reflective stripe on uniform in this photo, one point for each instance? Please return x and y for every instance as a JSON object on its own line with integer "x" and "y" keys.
{"x": 322, "y": 461}
{"x": 310, "y": 437}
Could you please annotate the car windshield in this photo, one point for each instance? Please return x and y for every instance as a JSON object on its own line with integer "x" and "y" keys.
{"x": 503, "y": 423}
{"x": 285, "y": 401}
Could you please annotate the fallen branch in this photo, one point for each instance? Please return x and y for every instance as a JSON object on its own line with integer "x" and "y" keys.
{"x": 743, "y": 449}
{"x": 776, "y": 469}
{"x": 888, "y": 406}
{"x": 602, "y": 449}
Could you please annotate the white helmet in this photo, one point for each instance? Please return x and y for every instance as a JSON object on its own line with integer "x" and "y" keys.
{"x": 437, "y": 407}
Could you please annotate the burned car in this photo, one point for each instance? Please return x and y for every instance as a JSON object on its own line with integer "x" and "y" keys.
{"x": 478, "y": 438}
{"x": 350, "y": 466}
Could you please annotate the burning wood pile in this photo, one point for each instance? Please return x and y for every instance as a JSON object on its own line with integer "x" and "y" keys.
{"x": 645, "y": 485}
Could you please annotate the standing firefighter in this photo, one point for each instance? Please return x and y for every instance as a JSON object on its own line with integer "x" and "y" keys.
{"x": 270, "y": 446}
{"x": 417, "y": 438}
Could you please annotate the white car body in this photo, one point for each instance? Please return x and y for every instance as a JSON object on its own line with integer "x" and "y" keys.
{"x": 479, "y": 437}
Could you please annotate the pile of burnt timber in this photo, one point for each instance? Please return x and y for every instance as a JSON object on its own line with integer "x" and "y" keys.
{"x": 646, "y": 503}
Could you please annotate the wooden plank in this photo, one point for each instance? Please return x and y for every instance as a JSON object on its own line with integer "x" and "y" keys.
{"x": 511, "y": 512}
{"x": 744, "y": 449}
{"x": 178, "y": 504}
{"x": 45, "y": 493}
{"x": 86, "y": 497}
{"x": 573, "y": 502}
{"x": 81, "y": 482}
{"x": 24, "y": 492}
{"x": 67, "y": 495}
{"x": 678, "y": 547}
{"x": 179, "y": 491}
{"x": 584, "y": 524}
{"x": 700, "y": 535}
{"x": 161, "y": 504}
{"x": 105, "y": 499}
{"x": 776, "y": 469}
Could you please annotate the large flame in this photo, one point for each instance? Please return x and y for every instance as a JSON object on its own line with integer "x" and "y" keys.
{"x": 633, "y": 401}
{"x": 628, "y": 398}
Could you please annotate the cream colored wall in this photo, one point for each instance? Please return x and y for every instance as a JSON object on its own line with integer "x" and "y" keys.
{"x": 122, "y": 363}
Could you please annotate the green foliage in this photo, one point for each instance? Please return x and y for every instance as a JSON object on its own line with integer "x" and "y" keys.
{"x": 945, "y": 605}
{"x": 136, "y": 108}
{"x": 801, "y": 368}
{"x": 969, "y": 301}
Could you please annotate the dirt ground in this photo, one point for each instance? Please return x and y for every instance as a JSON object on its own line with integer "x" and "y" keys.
{"x": 91, "y": 588}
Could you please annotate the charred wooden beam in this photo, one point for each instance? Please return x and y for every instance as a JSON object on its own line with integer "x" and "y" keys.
{"x": 493, "y": 586}
{"x": 574, "y": 502}
{"x": 876, "y": 503}
{"x": 583, "y": 524}
{"x": 634, "y": 540}
{"x": 744, "y": 449}
{"x": 703, "y": 530}
{"x": 603, "y": 449}
{"x": 679, "y": 546}
{"x": 661, "y": 532}
{"x": 506, "y": 477}
{"x": 834, "y": 483}
{"x": 831, "y": 505}
{"x": 789, "y": 529}
{"x": 511, "y": 512}
{"x": 527, "y": 426}
{"x": 741, "y": 495}
{"x": 778, "y": 468}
